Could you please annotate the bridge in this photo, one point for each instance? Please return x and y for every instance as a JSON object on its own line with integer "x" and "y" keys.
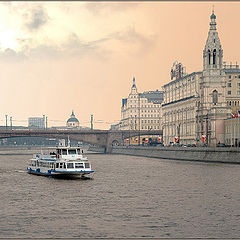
{"x": 103, "y": 138}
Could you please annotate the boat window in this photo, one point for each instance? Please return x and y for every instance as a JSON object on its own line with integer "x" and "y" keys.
{"x": 64, "y": 165}
{"x": 78, "y": 165}
{"x": 78, "y": 151}
{"x": 70, "y": 165}
{"x": 57, "y": 165}
{"x": 61, "y": 165}
{"x": 59, "y": 151}
{"x": 87, "y": 165}
{"x": 71, "y": 151}
{"x": 64, "y": 151}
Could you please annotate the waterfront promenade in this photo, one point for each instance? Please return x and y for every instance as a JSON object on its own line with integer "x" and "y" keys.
{"x": 199, "y": 154}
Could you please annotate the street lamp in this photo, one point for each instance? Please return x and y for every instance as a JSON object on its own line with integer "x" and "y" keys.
{"x": 6, "y": 121}
{"x": 178, "y": 131}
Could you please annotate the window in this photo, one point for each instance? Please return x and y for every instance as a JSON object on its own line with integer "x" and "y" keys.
{"x": 209, "y": 57}
{"x": 57, "y": 165}
{"x": 229, "y": 84}
{"x": 229, "y": 92}
{"x": 229, "y": 76}
{"x": 64, "y": 151}
{"x": 214, "y": 56}
{"x": 78, "y": 151}
{"x": 71, "y": 151}
{"x": 238, "y": 84}
{"x": 78, "y": 165}
{"x": 238, "y": 92}
{"x": 70, "y": 165}
{"x": 60, "y": 165}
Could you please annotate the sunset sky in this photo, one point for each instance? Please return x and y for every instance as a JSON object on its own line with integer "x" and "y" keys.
{"x": 56, "y": 57}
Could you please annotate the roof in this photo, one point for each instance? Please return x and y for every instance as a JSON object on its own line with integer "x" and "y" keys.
{"x": 153, "y": 96}
{"x": 73, "y": 119}
{"x": 231, "y": 70}
{"x": 180, "y": 79}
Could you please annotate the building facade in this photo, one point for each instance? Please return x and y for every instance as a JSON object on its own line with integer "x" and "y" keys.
{"x": 232, "y": 86}
{"x": 36, "y": 123}
{"x": 196, "y": 105}
{"x": 179, "y": 109}
{"x": 232, "y": 132}
{"x": 141, "y": 111}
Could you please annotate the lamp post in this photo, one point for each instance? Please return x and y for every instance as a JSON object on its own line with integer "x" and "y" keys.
{"x": 6, "y": 121}
{"x": 139, "y": 119}
{"x": 178, "y": 131}
{"x": 11, "y": 123}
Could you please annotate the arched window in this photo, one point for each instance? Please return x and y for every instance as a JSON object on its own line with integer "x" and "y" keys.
{"x": 214, "y": 56}
{"x": 209, "y": 57}
{"x": 215, "y": 97}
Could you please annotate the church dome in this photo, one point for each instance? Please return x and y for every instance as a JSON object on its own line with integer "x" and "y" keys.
{"x": 72, "y": 119}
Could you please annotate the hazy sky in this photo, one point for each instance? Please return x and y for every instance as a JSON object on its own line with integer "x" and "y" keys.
{"x": 56, "y": 57}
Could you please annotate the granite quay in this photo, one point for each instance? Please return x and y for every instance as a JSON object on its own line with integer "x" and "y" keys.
{"x": 203, "y": 154}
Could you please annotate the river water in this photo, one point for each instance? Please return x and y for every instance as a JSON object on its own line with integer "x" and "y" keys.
{"x": 128, "y": 197}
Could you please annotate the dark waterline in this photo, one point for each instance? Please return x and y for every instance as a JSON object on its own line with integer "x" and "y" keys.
{"x": 128, "y": 197}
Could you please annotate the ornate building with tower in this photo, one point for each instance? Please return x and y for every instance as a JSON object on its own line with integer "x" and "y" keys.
{"x": 196, "y": 105}
{"x": 141, "y": 111}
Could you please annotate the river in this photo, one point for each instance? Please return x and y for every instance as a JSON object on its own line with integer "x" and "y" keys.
{"x": 128, "y": 197}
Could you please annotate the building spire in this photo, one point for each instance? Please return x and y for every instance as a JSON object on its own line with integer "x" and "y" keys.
{"x": 213, "y": 20}
{"x": 212, "y": 53}
{"x": 134, "y": 84}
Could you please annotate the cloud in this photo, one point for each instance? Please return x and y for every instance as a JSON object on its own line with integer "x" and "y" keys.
{"x": 101, "y": 48}
{"x": 135, "y": 42}
{"x": 72, "y": 47}
{"x": 36, "y": 18}
{"x": 100, "y": 7}
{"x": 132, "y": 36}
{"x": 9, "y": 55}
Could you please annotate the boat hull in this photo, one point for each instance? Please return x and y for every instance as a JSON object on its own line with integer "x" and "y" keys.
{"x": 54, "y": 173}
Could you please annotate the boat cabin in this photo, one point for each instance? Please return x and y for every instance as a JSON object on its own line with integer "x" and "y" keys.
{"x": 69, "y": 151}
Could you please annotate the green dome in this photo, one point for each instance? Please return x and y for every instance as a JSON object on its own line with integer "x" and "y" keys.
{"x": 72, "y": 119}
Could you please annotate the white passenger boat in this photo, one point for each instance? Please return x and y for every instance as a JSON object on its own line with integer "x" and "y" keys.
{"x": 66, "y": 161}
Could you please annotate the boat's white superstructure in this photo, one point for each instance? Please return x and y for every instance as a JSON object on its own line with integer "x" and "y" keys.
{"x": 66, "y": 161}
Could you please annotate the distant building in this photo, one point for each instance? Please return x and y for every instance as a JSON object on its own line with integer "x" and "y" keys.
{"x": 72, "y": 122}
{"x": 141, "y": 111}
{"x": 36, "y": 123}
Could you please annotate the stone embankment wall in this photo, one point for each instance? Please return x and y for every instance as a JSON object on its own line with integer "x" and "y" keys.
{"x": 218, "y": 155}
